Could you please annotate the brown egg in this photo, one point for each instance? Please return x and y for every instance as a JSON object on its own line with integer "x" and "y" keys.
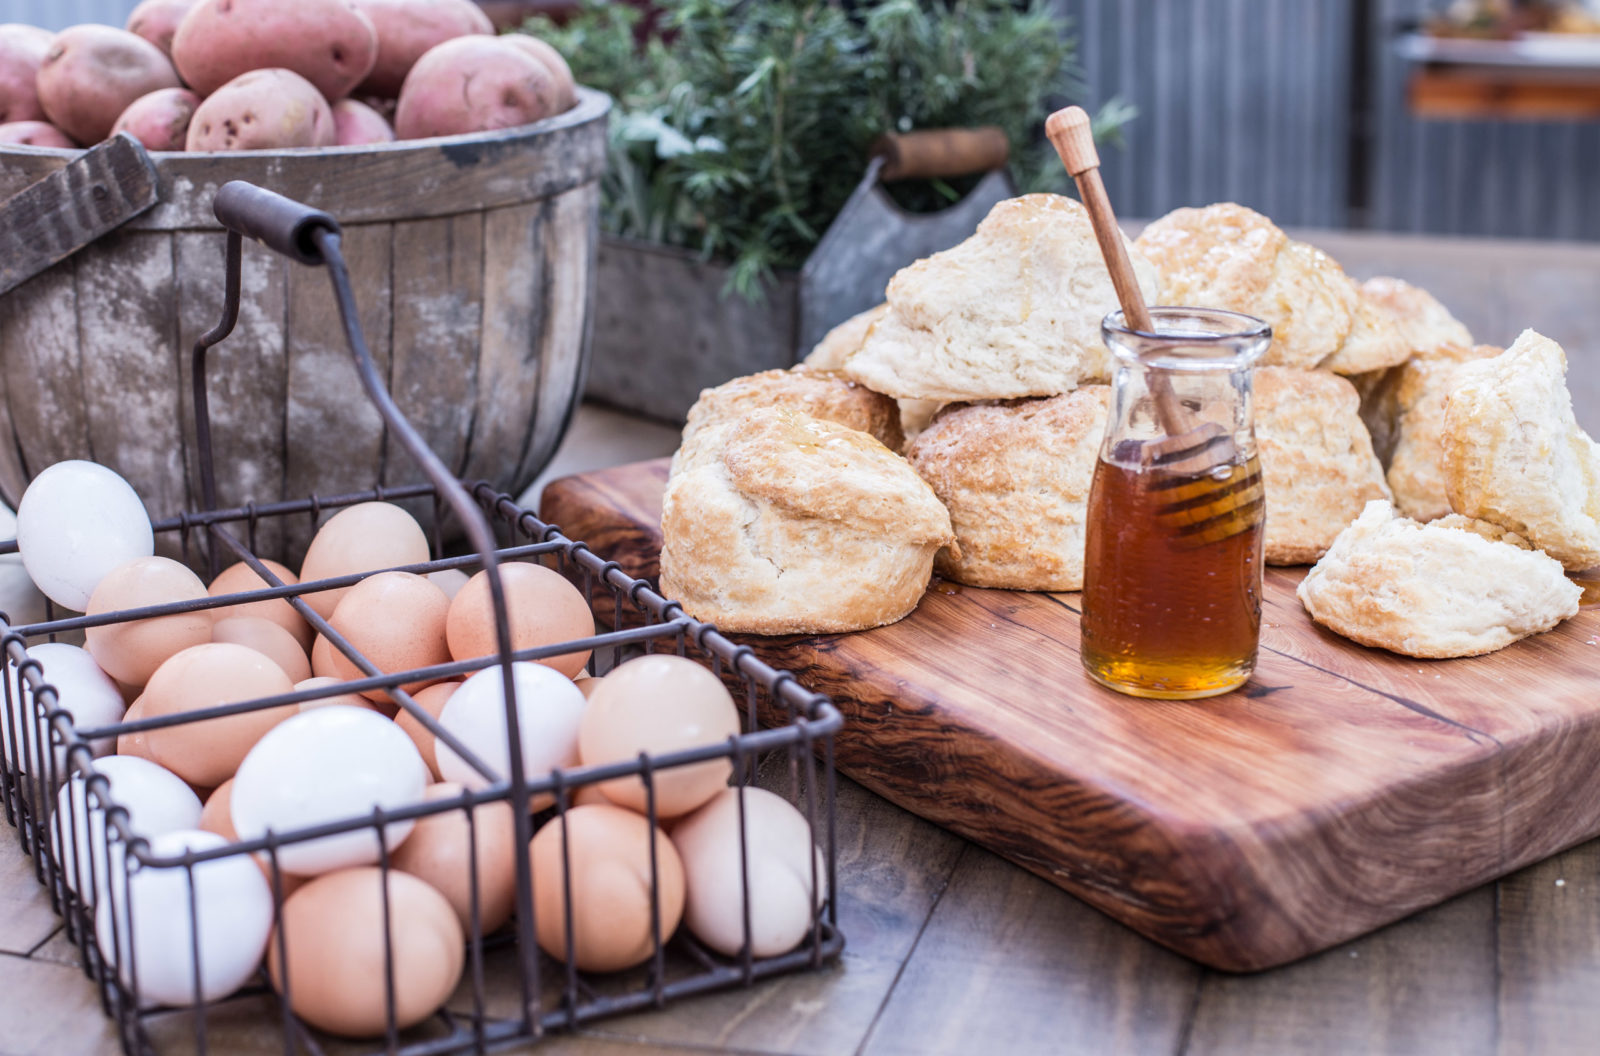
{"x": 543, "y": 609}
{"x": 362, "y": 538}
{"x": 333, "y": 929}
{"x": 136, "y": 744}
{"x": 130, "y": 652}
{"x": 217, "y": 816}
{"x": 267, "y": 638}
{"x": 354, "y": 700}
{"x": 589, "y": 795}
{"x": 236, "y": 579}
{"x": 432, "y": 700}
{"x": 587, "y": 684}
{"x": 438, "y": 851}
{"x": 610, "y": 860}
{"x": 202, "y": 676}
{"x": 659, "y": 703}
{"x": 396, "y": 620}
{"x": 322, "y": 654}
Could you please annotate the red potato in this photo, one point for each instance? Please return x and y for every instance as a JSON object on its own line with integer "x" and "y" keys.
{"x": 90, "y": 75}
{"x": 159, "y": 120}
{"x": 262, "y": 110}
{"x": 408, "y": 28}
{"x": 474, "y": 84}
{"x": 356, "y": 124}
{"x": 157, "y": 21}
{"x": 328, "y": 42}
{"x": 552, "y": 59}
{"x": 34, "y": 134}
{"x": 22, "y": 49}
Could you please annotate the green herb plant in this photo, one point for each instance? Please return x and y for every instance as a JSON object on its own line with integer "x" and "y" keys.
{"x": 741, "y": 126}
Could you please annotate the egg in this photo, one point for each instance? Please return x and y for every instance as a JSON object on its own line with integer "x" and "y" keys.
{"x": 236, "y": 579}
{"x": 77, "y": 521}
{"x": 267, "y": 638}
{"x": 439, "y": 851}
{"x": 156, "y": 800}
{"x": 20, "y": 599}
{"x": 207, "y": 753}
{"x": 333, "y": 934}
{"x": 82, "y": 689}
{"x": 542, "y": 607}
{"x": 130, "y": 652}
{"x": 322, "y": 654}
{"x": 135, "y": 744}
{"x": 659, "y": 703}
{"x": 549, "y": 708}
{"x": 783, "y": 902}
{"x": 361, "y": 538}
{"x": 217, "y": 817}
{"x": 610, "y": 883}
{"x": 354, "y": 700}
{"x": 327, "y": 765}
{"x": 222, "y": 905}
{"x": 394, "y": 619}
{"x": 431, "y": 699}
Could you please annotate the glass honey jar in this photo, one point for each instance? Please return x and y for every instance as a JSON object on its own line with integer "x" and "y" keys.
{"x": 1172, "y": 564}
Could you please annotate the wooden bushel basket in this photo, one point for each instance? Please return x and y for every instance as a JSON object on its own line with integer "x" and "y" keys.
{"x": 473, "y": 264}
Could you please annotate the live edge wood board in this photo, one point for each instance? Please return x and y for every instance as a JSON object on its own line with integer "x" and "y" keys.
{"x": 1341, "y": 789}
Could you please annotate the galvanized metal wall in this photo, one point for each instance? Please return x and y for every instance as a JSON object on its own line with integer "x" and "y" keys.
{"x": 59, "y": 14}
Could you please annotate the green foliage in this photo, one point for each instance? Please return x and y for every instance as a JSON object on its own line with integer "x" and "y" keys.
{"x": 743, "y": 125}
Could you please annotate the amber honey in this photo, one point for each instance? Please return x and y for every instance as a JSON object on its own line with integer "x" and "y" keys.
{"x": 1172, "y": 578}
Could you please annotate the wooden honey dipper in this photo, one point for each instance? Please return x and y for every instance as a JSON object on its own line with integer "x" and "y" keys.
{"x": 1208, "y": 501}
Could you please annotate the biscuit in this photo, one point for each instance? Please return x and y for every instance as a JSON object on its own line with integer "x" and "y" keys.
{"x": 1227, "y": 256}
{"x": 818, "y": 393}
{"x": 799, "y": 526}
{"x": 1395, "y": 321}
{"x": 1015, "y": 477}
{"x": 838, "y": 344}
{"x": 1512, "y": 452}
{"x": 1013, "y": 311}
{"x": 1434, "y": 590}
{"x": 1317, "y": 464}
{"x": 1418, "y": 390}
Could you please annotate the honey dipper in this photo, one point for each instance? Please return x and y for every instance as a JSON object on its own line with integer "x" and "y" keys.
{"x": 1210, "y": 498}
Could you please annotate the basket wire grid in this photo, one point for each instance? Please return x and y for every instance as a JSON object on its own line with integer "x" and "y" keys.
{"x": 42, "y": 747}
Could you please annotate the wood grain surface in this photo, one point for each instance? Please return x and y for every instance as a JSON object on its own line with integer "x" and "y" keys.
{"x": 1341, "y": 789}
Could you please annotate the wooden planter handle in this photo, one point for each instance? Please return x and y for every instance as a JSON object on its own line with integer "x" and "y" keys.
{"x": 941, "y": 153}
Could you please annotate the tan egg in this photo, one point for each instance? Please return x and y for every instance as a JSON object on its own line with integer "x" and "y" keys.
{"x": 333, "y": 929}
{"x": 236, "y": 579}
{"x": 396, "y": 620}
{"x": 362, "y": 538}
{"x": 130, "y": 652}
{"x": 589, "y": 795}
{"x": 354, "y": 700}
{"x": 135, "y": 744}
{"x": 202, "y": 676}
{"x": 658, "y": 704}
{"x": 267, "y": 638}
{"x": 431, "y": 699}
{"x": 322, "y": 654}
{"x": 438, "y": 851}
{"x": 587, "y": 684}
{"x": 610, "y": 860}
{"x": 543, "y": 609}
{"x": 217, "y": 816}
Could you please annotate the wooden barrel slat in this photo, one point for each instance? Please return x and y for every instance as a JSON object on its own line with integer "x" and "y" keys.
{"x": 246, "y": 375}
{"x": 41, "y": 344}
{"x": 335, "y": 436}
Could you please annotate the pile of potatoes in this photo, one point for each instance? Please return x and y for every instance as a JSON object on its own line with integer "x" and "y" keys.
{"x": 203, "y": 75}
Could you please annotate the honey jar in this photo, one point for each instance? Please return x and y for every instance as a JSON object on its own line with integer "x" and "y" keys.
{"x": 1172, "y": 568}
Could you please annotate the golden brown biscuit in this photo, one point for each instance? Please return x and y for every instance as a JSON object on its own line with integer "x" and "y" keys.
{"x": 1393, "y": 322}
{"x": 1434, "y": 590}
{"x": 799, "y": 525}
{"x": 1013, "y": 311}
{"x": 823, "y": 394}
{"x": 1015, "y": 477}
{"x": 838, "y": 344}
{"x": 1419, "y": 389}
{"x": 1512, "y": 452}
{"x": 1227, "y": 256}
{"x": 1317, "y": 464}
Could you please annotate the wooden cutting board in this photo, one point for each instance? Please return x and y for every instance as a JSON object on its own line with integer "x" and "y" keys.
{"x": 1340, "y": 789}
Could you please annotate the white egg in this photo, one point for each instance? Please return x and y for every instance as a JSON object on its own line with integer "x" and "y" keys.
{"x": 231, "y": 915}
{"x": 777, "y": 839}
{"x": 157, "y": 801}
{"x": 76, "y": 522}
{"x": 549, "y": 710}
{"x": 325, "y": 765}
{"x": 84, "y": 690}
{"x": 20, "y": 600}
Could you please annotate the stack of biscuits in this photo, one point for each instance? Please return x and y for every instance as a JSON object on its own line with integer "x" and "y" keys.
{"x": 955, "y": 428}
